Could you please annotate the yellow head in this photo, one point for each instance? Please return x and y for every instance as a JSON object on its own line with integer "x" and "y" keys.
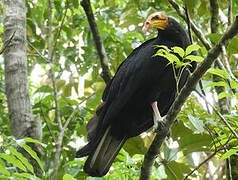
{"x": 156, "y": 20}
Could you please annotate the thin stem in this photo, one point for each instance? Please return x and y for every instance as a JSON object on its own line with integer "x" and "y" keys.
{"x": 59, "y": 31}
{"x": 47, "y": 123}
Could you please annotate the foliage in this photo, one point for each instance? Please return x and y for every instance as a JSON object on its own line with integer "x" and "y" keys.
{"x": 179, "y": 59}
{"x": 11, "y": 161}
{"x": 77, "y": 68}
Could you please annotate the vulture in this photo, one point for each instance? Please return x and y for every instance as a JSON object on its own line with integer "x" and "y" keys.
{"x": 142, "y": 89}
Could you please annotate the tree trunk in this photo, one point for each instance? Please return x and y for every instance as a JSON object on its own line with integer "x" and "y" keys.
{"x": 17, "y": 88}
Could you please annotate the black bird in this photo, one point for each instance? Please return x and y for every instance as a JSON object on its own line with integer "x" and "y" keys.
{"x": 130, "y": 100}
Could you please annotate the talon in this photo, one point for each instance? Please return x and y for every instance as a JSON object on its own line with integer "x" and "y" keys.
{"x": 158, "y": 120}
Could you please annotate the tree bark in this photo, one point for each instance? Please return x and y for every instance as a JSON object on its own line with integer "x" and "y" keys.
{"x": 17, "y": 88}
{"x": 106, "y": 75}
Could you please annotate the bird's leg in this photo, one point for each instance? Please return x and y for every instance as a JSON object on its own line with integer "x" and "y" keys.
{"x": 158, "y": 120}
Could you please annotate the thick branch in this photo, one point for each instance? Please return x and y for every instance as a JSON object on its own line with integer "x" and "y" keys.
{"x": 106, "y": 75}
{"x": 154, "y": 149}
{"x": 214, "y": 8}
{"x": 214, "y": 15}
{"x": 230, "y": 12}
{"x": 195, "y": 29}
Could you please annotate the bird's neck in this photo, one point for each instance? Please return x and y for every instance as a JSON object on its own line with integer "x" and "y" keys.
{"x": 179, "y": 38}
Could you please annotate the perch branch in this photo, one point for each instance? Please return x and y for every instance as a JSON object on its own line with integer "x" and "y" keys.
{"x": 213, "y": 53}
{"x": 106, "y": 75}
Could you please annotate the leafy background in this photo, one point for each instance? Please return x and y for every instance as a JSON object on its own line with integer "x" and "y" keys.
{"x": 194, "y": 136}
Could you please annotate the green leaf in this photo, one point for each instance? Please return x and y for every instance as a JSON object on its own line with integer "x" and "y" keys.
{"x": 188, "y": 141}
{"x": 68, "y": 177}
{"x": 22, "y": 159}
{"x": 75, "y": 3}
{"x": 219, "y": 72}
{"x": 233, "y": 84}
{"x": 44, "y": 89}
{"x": 232, "y": 47}
{"x": 60, "y": 84}
{"x": 33, "y": 155}
{"x": 179, "y": 51}
{"x": 32, "y": 140}
{"x": 194, "y": 58}
{"x": 170, "y": 154}
{"x": 214, "y": 37}
{"x": 26, "y": 176}
{"x": 3, "y": 169}
{"x": 164, "y": 47}
{"x": 135, "y": 145}
{"x": 67, "y": 91}
{"x": 224, "y": 94}
{"x": 173, "y": 58}
{"x": 228, "y": 154}
{"x": 197, "y": 123}
{"x": 12, "y": 160}
{"x": 236, "y": 94}
{"x": 176, "y": 170}
{"x": 191, "y": 48}
{"x": 220, "y": 83}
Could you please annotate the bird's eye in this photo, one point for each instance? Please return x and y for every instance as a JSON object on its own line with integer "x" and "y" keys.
{"x": 155, "y": 18}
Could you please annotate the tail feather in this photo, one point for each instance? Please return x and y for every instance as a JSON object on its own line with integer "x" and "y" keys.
{"x": 100, "y": 160}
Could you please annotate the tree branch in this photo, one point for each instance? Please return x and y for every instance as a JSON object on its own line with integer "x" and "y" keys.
{"x": 229, "y": 12}
{"x": 195, "y": 29}
{"x": 154, "y": 149}
{"x": 214, "y": 15}
{"x": 106, "y": 75}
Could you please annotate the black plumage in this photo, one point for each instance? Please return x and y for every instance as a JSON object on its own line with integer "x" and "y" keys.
{"x": 139, "y": 81}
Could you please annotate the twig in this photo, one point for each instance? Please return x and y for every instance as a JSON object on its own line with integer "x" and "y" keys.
{"x": 74, "y": 111}
{"x": 50, "y": 38}
{"x": 8, "y": 42}
{"x": 209, "y": 157}
{"x": 154, "y": 149}
{"x": 219, "y": 114}
{"x": 206, "y": 160}
{"x": 47, "y": 123}
{"x": 57, "y": 110}
{"x": 59, "y": 31}
{"x": 188, "y": 23}
{"x": 38, "y": 52}
{"x": 229, "y": 12}
{"x": 106, "y": 75}
{"x": 227, "y": 64}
